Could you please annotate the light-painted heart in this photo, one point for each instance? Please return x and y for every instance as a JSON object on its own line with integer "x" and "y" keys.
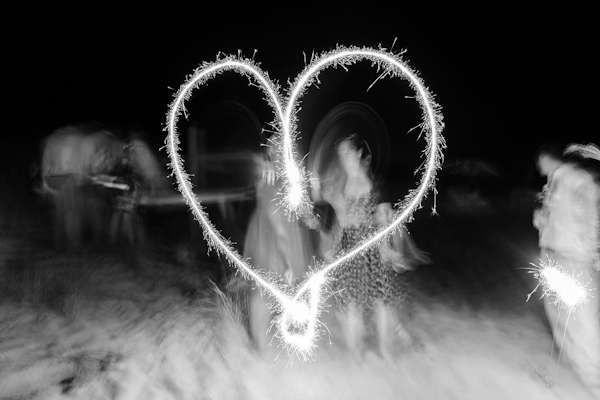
{"x": 298, "y": 320}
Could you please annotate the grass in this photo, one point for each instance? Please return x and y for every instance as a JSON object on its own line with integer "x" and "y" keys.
{"x": 123, "y": 323}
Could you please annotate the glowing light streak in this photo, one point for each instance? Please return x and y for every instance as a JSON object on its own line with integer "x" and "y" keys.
{"x": 211, "y": 235}
{"x": 298, "y": 321}
{"x": 303, "y": 309}
{"x": 566, "y": 288}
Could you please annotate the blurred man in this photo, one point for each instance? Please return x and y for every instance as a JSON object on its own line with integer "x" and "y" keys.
{"x": 568, "y": 234}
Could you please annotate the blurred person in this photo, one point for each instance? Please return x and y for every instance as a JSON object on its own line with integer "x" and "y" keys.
{"x": 140, "y": 176}
{"x": 568, "y": 234}
{"x": 125, "y": 220}
{"x": 71, "y": 158}
{"x": 273, "y": 244}
{"x": 372, "y": 282}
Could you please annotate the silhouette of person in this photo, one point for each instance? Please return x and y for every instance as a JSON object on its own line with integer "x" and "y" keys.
{"x": 274, "y": 244}
{"x": 568, "y": 234}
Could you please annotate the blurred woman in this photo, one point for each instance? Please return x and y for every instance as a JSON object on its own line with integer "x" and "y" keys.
{"x": 274, "y": 244}
{"x": 371, "y": 283}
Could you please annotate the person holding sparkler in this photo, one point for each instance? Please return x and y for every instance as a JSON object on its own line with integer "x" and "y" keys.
{"x": 568, "y": 236}
{"x": 372, "y": 282}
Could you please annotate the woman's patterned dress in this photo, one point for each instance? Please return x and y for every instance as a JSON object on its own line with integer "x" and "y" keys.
{"x": 366, "y": 279}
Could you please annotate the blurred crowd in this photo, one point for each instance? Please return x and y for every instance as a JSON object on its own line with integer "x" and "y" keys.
{"x": 369, "y": 289}
{"x": 94, "y": 180}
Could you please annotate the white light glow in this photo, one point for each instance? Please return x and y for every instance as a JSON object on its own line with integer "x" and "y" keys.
{"x": 567, "y": 289}
{"x": 298, "y": 321}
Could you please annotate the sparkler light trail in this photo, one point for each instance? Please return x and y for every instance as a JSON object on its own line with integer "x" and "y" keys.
{"x": 297, "y": 322}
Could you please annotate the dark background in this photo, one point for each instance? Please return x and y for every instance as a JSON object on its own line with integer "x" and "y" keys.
{"x": 507, "y": 78}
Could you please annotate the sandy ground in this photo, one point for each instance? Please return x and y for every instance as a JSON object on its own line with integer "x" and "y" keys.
{"x": 116, "y": 323}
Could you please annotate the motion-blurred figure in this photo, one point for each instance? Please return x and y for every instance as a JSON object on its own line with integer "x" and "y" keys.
{"x": 274, "y": 244}
{"x": 568, "y": 234}
{"x": 140, "y": 176}
{"x": 71, "y": 157}
{"x": 372, "y": 282}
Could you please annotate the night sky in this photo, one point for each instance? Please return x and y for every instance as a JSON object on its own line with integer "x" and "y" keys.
{"x": 506, "y": 80}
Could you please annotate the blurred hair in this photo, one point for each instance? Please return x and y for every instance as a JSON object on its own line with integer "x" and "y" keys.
{"x": 335, "y": 176}
{"x": 586, "y": 156}
{"x": 552, "y": 149}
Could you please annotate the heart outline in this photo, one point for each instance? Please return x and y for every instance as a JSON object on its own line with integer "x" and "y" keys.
{"x": 295, "y": 178}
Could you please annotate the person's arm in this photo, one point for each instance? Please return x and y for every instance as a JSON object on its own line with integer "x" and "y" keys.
{"x": 315, "y": 189}
{"x": 540, "y": 215}
{"x": 585, "y": 213}
{"x": 399, "y": 248}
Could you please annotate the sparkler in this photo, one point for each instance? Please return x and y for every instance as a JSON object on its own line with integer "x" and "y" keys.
{"x": 566, "y": 288}
{"x": 298, "y": 313}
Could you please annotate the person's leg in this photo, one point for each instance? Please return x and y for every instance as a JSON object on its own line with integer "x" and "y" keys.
{"x": 576, "y": 332}
{"x": 385, "y": 323}
{"x": 59, "y": 222}
{"x": 113, "y": 230}
{"x": 73, "y": 203}
{"x": 582, "y": 344}
{"x": 353, "y": 329}
{"x": 138, "y": 227}
{"x": 127, "y": 221}
{"x": 260, "y": 317}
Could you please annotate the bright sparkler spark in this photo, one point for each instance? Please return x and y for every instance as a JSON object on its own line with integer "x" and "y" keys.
{"x": 298, "y": 322}
{"x": 300, "y": 312}
{"x": 567, "y": 289}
